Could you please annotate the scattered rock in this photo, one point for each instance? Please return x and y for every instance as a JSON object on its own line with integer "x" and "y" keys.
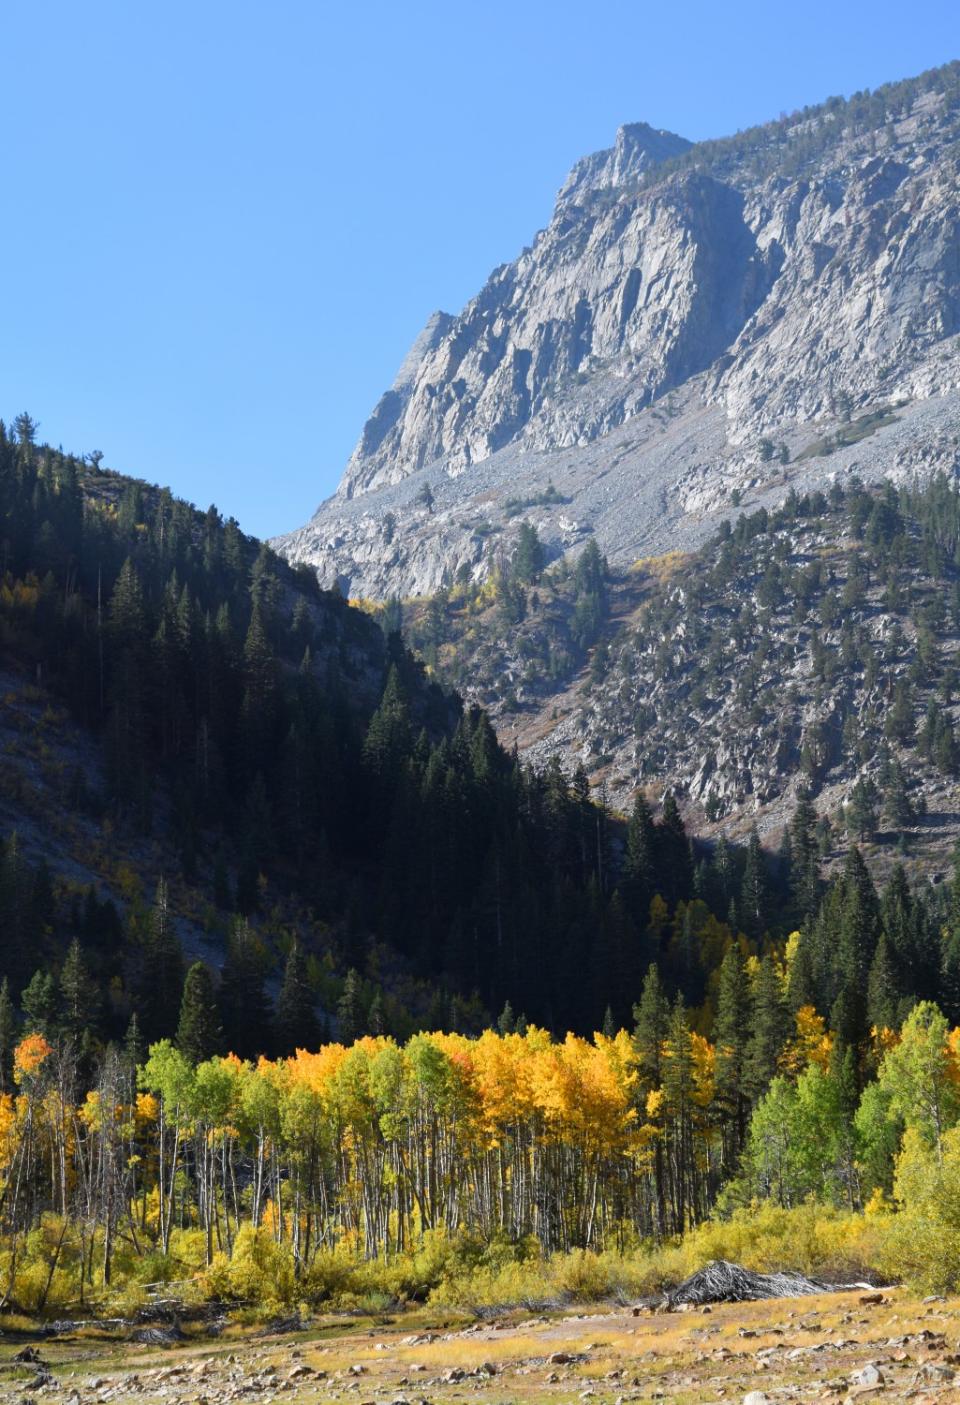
{"x": 869, "y": 1375}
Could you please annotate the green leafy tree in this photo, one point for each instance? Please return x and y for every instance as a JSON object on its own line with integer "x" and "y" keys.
{"x": 916, "y": 1074}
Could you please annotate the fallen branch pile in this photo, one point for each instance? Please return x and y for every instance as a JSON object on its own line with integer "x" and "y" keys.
{"x": 723, "y": 1282}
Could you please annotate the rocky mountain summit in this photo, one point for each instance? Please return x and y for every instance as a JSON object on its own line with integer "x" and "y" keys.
{"x": 699, "y": 326}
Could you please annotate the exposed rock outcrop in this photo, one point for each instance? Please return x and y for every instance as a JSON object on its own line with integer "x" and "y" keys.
{"x": 692, "y": 326}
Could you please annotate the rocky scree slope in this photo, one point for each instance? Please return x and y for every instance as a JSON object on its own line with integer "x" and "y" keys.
{"x": 697, "y": 326}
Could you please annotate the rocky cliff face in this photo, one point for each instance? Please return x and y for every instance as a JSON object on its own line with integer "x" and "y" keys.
{"x": 698, "y": 326}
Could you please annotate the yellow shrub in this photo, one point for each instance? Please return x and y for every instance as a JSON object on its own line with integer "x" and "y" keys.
{"x": 921, "y": 1244}
{"x": 259, "y": 1269}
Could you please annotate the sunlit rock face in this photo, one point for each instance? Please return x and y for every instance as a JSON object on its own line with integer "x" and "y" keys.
{"x": 696, "y": 326}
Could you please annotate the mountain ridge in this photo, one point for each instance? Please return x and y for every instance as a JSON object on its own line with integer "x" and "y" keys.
{"x": 672, "y": 343}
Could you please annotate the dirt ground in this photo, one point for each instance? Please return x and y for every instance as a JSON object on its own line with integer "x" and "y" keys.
{"x": 836, "y": 1347}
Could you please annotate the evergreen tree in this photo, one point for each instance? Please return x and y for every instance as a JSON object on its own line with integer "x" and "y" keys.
{"x": 883, "y": 996}
{"x": 388, "y": 735}
{"x": 79, "y": 997}
{"x": 862, "y": 809}
{"x": 768, "y": 1031}
{"x": 754, "y": 890}
{"x": 40, "y": 1005}
{"x": 804, "y": 849}
{"x": 198, "y": 1031}
{"x": 899, "y": 724}
{"x": 296, "y": 1020}
{"x": 639, "y": 865}
{"x": 244, "y": 1008}
{"x": 528, "y": 557}
{"x": 160, "y": 983}
{"x": 351, "y": 1016}
{"x": 134, "y": 1050}
{"x": 8, "y": 1037}
{"x": 897, "y": 809}
{"x": 259, "y": 709}
{"x": 675, "y": 864}
{"x": 376, "y": 1016}
{"x": 731, "y": 1035}
{"x": 507, "y": 1023}
{"x": 802, "y": 985}
{"x": 856, "y": 941}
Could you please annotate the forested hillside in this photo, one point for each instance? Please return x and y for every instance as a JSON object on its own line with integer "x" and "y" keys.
{"x": 814, "y": 646}
{"x": 311, "y": 794}
{"x": 672, "y": 1024}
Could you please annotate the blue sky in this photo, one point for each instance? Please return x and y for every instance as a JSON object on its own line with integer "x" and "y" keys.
{"x": 223, "y": 223}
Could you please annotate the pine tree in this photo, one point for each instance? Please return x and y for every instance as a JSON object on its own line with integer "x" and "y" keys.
{"x": 296, "y": 1020}
{"x": 899, "y": 724}
{"x": 731, "y": 1033}
{"x": 244, "y": 1008}
{"x": 856, "y": 941}
{"x": 39, "y": 1004}
{"x": 675, "y": 865}
{"x": 259, "y": 709}
{"x": 883, "y": 997}
{"x": 651, "y": 1016}
{"x": 351, "y": 1016}
{"x": 8, "y": 1037}
{"x": 127, "y": 745}
{"x": 134, "y": 1050}
{"x": 388, "y": 735}
{"x": 802, "y": 986}
{"x": 376, "y": 1016}
{"x": 79, "y": 997}
{"x": 528, "y": 557}
{"x": 160, "y": 983}
{"x": 896, "y": 801}
{"x": 802, "y": 826}
{"x": 768, "y": 1031}
{"x": 725, "y": 874}
{"x": 199, "y": 1036}
{"x": 639, "y": 865}
{"x": 805, "y": 867}
{"x": 898, "y": 922}
{"x": 754, "y": 890}
{"x": 862, "y": 809}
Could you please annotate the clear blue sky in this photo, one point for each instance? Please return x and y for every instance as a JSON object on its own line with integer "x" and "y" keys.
{"x": 223, "y": 223}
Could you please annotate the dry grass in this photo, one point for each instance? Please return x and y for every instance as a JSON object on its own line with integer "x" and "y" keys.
{"x": 692, "y": 1358}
